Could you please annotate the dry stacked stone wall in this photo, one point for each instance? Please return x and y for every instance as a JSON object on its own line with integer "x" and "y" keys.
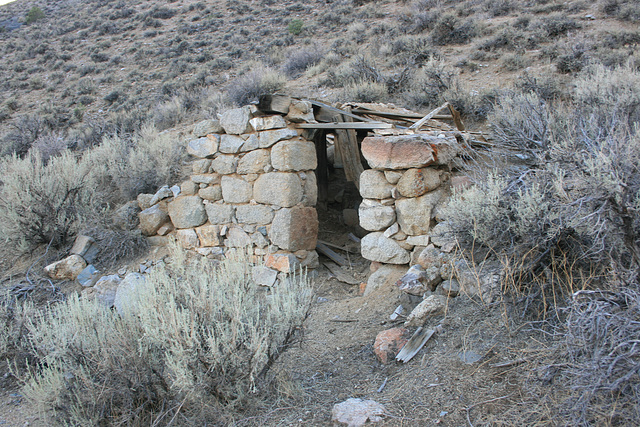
{"x": 252, "y": 186}
{"x": 408, "y": 183}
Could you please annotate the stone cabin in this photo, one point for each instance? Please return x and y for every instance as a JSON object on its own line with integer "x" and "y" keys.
{"x": 260, "y": 171}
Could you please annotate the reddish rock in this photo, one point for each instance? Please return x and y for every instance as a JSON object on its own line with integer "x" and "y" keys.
{"x": 388, "y": 343}
{"x": 399, "y": 152}
{"x": 287, "y": 263}
{"x": 209, "y": 235}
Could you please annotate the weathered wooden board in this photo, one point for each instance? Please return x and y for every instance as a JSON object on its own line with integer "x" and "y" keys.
{"x": 345, "y": 125}
{"x": 333, "y": 256}
{"x": 428, "y": 117}
{"x": 327, "y": 112}
{"x": 413, "y": 346}
{"x": 341, "y": 274}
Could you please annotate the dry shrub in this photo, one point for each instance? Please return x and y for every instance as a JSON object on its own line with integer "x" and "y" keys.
{"x": 298, "y": 61}
{"x": 259, "y": 81}
{"x": 143, "y": 163}
{"x": 45, "y": 203}
{"x": 602, "y": 357}
{"x": 571, "y": 208}
{"x": 366, "y": 92}
{"x": 429, "y": 83}
{"x": 197, "y": 335}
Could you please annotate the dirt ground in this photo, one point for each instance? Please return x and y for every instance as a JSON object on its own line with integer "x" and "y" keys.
{"x": 331, "y": 358}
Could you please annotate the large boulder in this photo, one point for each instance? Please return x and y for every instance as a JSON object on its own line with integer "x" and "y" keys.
{"x": 374, "y": 185}
{"x": 206, "y": 127}
{"x": 86, "y": 247}
{"x": 416, "y": 182}
{"x": 278, "y": 188}
{"x": 268, "y": 122}
{"x": 187, "y": 212}
{"x": 386, "y": 275}
{"x": 415, "y": 213}
{"x": 204, "y": 147}
{"x": 254, "y": 214}
{"x": 295, "y": 229}
{"x": 231, "y": 144}
{"x": 258, "y": 161}
{"x": 209, "y": 235}
{"x": 356, "y": 412}
{"x": 219, "y": 213}
{"x": 375, "y": 216}
{"x": 236, "y": 190}
{"x": 187, "y": 238}
{"x": 377, "y": 247}
{"x": 294, "y": 155}
{"x": 269, "y": 137}
{"x": 106, "y": 288}
{"x": 433, "y": 305}
{"x": 225, "y": 164}
{"x": 127, "y": 294}
{"x": 409, "y": 151}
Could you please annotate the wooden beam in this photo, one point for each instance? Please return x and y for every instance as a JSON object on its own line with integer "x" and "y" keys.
{"x": 347, "y": 143}
{"x": 333, "y": 256}
{"x": 428, "y": 117}
{"x": 401, "y": 116}
{"x": 334, "y": 111}
{"x": 456, "y": 118}
{"x": 341, "y": 125}
{"x": 322, "y": 171}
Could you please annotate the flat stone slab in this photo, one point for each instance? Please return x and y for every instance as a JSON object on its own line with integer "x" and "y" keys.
{"x": 408, "y": 151}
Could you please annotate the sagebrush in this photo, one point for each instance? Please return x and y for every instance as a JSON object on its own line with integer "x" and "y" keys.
{"x": 196, "y": 337}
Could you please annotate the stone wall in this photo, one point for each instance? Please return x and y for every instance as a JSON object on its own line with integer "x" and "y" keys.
{"x": 409, "y": 181}
{"x": 252, "y": 186}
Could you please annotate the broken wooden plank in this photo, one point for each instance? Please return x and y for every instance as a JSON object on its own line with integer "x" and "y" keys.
{"x": 405, "y": 116}
{"x": 344, "y": 125}
{"x": 274, "y": 103}
{"x": 330, "y": 112}
{"x": 341, "y": 275}
{"x": 322, "y": 169}
{"x": 333, "y": 256}
{"x": 428, "y": 117}
{"x": 456, "y": 118}
{"x": 347, "y": 143}
{"x": 332, "y": 245}
{"x": 415, "y": 343}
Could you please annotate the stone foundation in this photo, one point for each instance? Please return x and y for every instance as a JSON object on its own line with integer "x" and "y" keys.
{"x": 252, "y": 187}
{"x": 408, "y": 181}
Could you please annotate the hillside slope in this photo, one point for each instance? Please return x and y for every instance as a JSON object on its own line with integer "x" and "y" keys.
{"x": 98, "y": 67}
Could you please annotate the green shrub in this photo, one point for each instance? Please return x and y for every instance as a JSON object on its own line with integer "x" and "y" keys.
{"x": 34, "y": 14}
{"x": 197, "y": 334}
{"x": 295, "y": 26}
